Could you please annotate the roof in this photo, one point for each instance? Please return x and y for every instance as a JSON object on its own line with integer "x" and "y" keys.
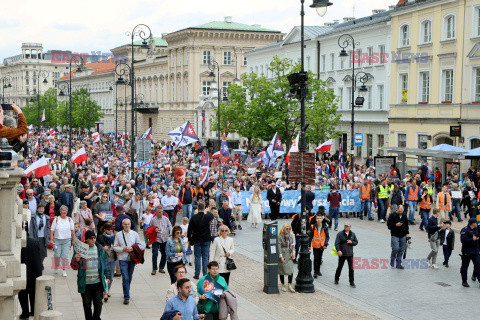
{"x": 159, "y": 42}
{"x": 408, "y": 4}
{"x": 98, "y": 67}
{"x": 358, "y": 23}
{"x": 223, "y": 25}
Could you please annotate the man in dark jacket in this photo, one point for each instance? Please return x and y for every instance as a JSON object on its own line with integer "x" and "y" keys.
{"x": 335, "y": 199}
{"x": 198, "y": 235}
{"x": 344, "y": 244}
{"x": 66, "y": 199}
{"x": 225, "y": 213}
{"x": 120, "y": 217}
{"x": 447, "y": 240}
{"x": 469, "y": 238}
{"x": 309, "y": 197}
{"x": 399, "y": 231}
{"x": 30, "y": 255}
{"x": 274, "y": 197}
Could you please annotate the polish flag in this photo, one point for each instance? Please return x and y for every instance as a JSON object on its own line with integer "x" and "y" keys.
{"x": 96, "y": 137}
{"x": 37, "y": 147}
{"x": 40, "y": 167}
{"x": 324, "y": 146}
{"x": 163, "y": 150}
{"x": 167, "y": 167}
{"x": 121, "y": 142}
{"x": 216, "y": 154}
{"x": 51, "y": 134}
{"x": 43, "y": 115}
{"x": 293, "y": 148}
{"x": 100, "y": 177}
{"x": 79, "y": 156}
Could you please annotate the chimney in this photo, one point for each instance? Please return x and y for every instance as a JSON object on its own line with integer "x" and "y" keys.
{"x": 336, "y": 22}
{"x": 346, "y": 19}
{"x": 391, "y": 7}
{"x": 257, "y": 25}
{"x": 164, "y": 35}
{"x": 228, "y": 19}
{"x": 328, "y": 24}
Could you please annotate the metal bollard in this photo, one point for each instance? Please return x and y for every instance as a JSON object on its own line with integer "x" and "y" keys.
{"x": 51, "y": 315}
{"x": 44, "y": 295}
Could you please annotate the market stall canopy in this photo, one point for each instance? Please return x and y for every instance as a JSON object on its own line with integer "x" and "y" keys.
{"x": 473, "y": 154}
{"x": 447, "y": 147}
{"x": 427, "y": 152}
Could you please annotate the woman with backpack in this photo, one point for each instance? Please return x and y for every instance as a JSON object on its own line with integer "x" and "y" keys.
{"x": 62, "y": 235}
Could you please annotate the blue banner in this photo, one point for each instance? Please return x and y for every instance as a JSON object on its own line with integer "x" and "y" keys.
{"x": 350, "y": 201}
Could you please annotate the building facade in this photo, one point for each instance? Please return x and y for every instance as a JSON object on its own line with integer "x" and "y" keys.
{"x": 372, "y": 37}
{"x": 98, "y": 79}
{"x": 20, "y": 73}
{"x": 171, "y": 79}
{"x": 434, "y": 75}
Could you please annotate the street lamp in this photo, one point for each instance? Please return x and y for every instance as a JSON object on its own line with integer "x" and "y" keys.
{"x": 214, "y": 92}
{"x": 77, "y": 61}
{"x": 344, "y": 41}
{"x": 122, "y": 70}
{"x": 6, "y": 83}
{"x": 139, "y": 31}
{"x": 298, "y": 83}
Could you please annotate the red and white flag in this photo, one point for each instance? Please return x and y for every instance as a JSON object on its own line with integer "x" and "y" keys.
{"x": 148, "y": 134}
{"x": 79, "y": 156}
{"x": 100, "y": 177}
{"x": 51, "y": 134}
{"x": 96, "y": 137}
{"x": 40, "y": 167}
{"x": 293, "y": 148}
{"x": 341, "y": 164}
{"x": 216, "y": 154}
{"x": 326, "y": 146}
{"x": 43, "y": 115}
{"x": 37, "y": 147}
{"x": 122, "y": 143}
{"x": 167, "y": 166}
{"x": 163, "y": 150}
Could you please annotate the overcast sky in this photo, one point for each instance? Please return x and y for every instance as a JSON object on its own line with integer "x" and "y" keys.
{"x": 93, "y": 25}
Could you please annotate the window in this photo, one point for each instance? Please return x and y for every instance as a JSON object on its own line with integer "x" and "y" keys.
{"x": 179, "y": 59}
{"x": 370, "y": 54}
{"x": 381, "y": 143}
{"x": 227, "y": 57}
{"x": 369, "y": 98}
{"x": 350, "y": 59}
{"x": 404, "y": 88}
{"x": 332, "y": 61}
{"x": 244, "y": 61}
{"x": 206, "y": 88}
{"x": 27, "y": 81}
{"x": 381, "y": 96}
{"x": 426, "y": 32}
{"x": 307, "y": 66}
{"x": 206, "y": 57}
{"x": 173, "y": 59}
{"x": 323, "y": 63}
{"x": 342, "y": 64}
{"x": 261, "y": 69}
{"x": 349, "y": 95}
{"x": 477, "y": 84}
{"x": 26, "y": 73}
{"x": 477, "y": 22}
{"x": 340, "y": 98}
{"x": 225, "y": 85}
{"x": 424, "y": 87}
{"x": 402, "y": 140}
{"x": 186, "y": 58}
{"x": 173, "y": 92}
{"x": 186, "y": 90}
{"x": 359, "y": 57}
{"x": 447, "y": 85}
{"x": 422, "y": 143}
{"x": 449, "y": 27}
{"x": 405, "y": 36}
{"x": 369, "y": 145}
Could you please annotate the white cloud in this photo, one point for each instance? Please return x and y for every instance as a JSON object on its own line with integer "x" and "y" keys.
{"x": 92, "y": 25}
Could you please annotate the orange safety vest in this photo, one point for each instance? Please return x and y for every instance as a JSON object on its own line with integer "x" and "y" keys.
{"x": 318, "y": 240}
{"x": 413, "y": 195}
{"x": 441, "y": 201}
{"x": 191, "y": 189}
{"x": 365, "y": 192}
{"x": 425, "y": 204}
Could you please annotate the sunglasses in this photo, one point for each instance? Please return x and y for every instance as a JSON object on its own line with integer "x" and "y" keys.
{"x": 92, "y": 237}
{"x": 224, "y": 230}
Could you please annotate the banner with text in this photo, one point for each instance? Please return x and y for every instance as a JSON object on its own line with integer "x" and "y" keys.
{"x": 350, "y": 201}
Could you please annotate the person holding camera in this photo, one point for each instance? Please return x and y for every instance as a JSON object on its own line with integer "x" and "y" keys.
{"x": 11, "y": 133}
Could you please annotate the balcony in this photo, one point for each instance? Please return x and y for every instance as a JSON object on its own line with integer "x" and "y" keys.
{"x": 147, "y": 108}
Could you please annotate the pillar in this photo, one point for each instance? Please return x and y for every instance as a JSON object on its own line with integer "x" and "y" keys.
{"x": 41, "y": 299}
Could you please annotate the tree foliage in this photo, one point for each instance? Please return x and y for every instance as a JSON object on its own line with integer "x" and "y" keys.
{"x": 85, "y": 110}
{"x": 265, "y": 106}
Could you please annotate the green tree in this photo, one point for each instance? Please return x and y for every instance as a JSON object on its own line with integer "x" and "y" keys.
{"x": 266, "y": 106}
{"x": 85, "y": 110}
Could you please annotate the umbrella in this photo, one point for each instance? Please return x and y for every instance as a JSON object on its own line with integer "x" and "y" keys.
{"x": 447, "y": 147}
{"x": 474, "y": 153}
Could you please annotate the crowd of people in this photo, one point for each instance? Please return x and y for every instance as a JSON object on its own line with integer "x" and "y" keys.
{"x": 120, "y": 212}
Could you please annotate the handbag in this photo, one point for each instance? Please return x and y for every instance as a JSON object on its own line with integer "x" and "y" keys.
{"x": 229, "y": 263}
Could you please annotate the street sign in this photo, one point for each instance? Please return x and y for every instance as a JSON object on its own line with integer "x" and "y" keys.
{"x": 111, "y": 135}
{"x": 358, "y": 139}
{"x": 383, "y": 163}
{"x": 296, "y": 171}
{"x": 145, "y": 164}
{"x": 144, "y": 149}
{"x": 455, "y": 131}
